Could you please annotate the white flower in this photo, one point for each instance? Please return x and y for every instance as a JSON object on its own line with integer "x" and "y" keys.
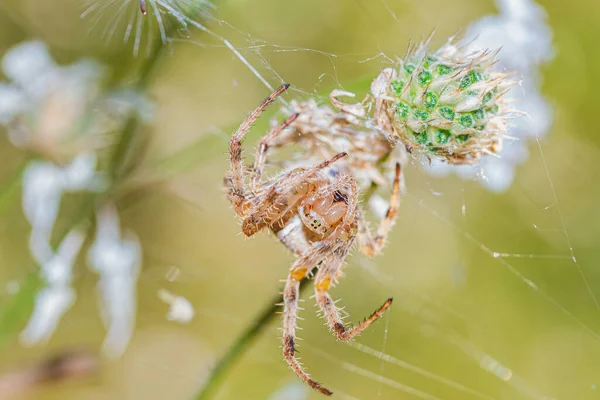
{"x": 43, "y": 186}
{"x": 42, "y": 191}
{"x": 180, "y": 310}
{"x": 54, "y": 300}
{"x": 59, "y": 111}
{"x": 51, "y": 303}
{"x": 117, "y": 260}
{"x": 29, "y": 65}
{"x": 50, "y": 99}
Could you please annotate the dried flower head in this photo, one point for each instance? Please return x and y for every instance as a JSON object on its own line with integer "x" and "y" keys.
{"x": 322, "y": 131}
{"x": 138, "y": 20}
{"x": 448, "y": 104}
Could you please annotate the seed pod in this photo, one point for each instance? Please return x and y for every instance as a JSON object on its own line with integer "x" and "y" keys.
{"x": 448, "y": 104}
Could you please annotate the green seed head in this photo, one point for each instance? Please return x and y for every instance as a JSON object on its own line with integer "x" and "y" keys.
{"x": 448, "y": 104}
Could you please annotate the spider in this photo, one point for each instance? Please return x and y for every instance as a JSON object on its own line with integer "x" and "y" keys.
{"x": 314, "y": 212}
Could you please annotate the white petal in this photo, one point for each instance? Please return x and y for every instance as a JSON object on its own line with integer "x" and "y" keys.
{"x": 117, "y": 261}
{"x": 42, "y": 191}
{"x": 12, "y": 102}
{"x": 59, "y": 269}
{"x": 79, "y": 174}
{"x": 39, "y": 245}
{"x": 118, "y": 297}
{"x": 50, "y": 306}
{"x": 26, "y": 62}
{"x": 180, "y": 310}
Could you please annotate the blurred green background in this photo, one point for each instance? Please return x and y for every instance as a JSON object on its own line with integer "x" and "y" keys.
{"x": 507, "y": 327}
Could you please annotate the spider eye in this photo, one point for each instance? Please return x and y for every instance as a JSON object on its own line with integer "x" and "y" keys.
{"x": 339, "y": 197}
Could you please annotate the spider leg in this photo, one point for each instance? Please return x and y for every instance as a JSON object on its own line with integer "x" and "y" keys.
{"x": 234, "y": 179}
{"x": 261, "y": 152}
{"x": 324, "y": 164}
{"x": 328, "y": 271}
{"x": 372, "y": 246}
{"x": 299, "y": 270}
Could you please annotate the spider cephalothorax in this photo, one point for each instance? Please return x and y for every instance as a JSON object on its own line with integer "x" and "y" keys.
{"x": 314, "y": 211}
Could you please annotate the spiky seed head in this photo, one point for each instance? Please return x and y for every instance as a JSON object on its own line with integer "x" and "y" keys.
{"x": 448, "y": 104}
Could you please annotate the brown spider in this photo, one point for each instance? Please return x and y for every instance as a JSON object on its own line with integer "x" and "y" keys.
{"x": 314, "y": 212}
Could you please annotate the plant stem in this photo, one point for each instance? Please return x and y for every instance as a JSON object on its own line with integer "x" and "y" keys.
{"x": 239, "y": 347}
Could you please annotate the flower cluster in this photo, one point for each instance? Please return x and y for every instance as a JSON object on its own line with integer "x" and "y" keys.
{"x": 60, "y": 115}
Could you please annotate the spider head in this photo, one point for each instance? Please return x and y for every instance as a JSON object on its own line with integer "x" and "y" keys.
{"x": 320, "y": 213}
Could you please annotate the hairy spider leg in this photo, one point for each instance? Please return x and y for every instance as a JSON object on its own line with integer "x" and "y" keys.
{"x": 318, "y": 255}
{"x": 261, "y": 152}
{"x": 300, "y": 269}
{"x": 327, "y": 274}
{"x": 235, "y": 176}
{"x": 372, "y": 246}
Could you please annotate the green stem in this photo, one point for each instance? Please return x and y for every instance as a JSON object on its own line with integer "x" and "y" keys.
{"x": 239, "y": 348}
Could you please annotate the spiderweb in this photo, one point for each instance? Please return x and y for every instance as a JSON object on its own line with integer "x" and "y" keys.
{"x": 490, "y": 299}
{"x": 495, "y": 296}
